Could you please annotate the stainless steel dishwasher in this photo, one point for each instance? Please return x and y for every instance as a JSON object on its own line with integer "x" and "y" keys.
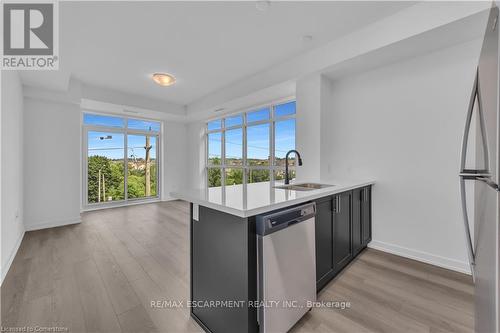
{"x": 286, "y": 267}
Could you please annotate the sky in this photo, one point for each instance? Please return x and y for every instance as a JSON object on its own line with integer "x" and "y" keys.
{"x": 257, "y": 135}
{"x": 257, "y": 140}
{"x": 111, "y": 144}
{"x": 113, "y": 148}
{"x": 110, "y": 121}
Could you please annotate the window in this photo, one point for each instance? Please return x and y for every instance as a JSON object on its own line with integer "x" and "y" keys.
{"x": 234, "y": 147}
{"x": 214, "y": 148}
{"x": 258, "y": 144}
{"x": 250, "y": 147}
{"x": 105, "y": 165}
{"x": 284, "y": 140}
{"x": 120, "y": 160}
{"x": 106, "y": 121}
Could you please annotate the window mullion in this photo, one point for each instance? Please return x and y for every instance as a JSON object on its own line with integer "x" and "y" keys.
{"x": 158, "y": 158}
{"x": 86, "y": 166}
{"x": 223, "y": 157}
{"x": 206, "y": 159}
{"x": 125, "y": 167}
{"x": 244, "y": 163}
{"x": 272, "y": 145}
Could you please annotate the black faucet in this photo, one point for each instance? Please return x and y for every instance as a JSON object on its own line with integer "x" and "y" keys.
{"x": 287, "y": 177}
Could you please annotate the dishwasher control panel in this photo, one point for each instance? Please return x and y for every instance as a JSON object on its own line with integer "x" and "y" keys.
{"x": 275, "y": 221}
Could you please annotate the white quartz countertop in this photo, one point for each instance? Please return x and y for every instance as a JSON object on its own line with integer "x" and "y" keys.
{"x": 257, "y": 198}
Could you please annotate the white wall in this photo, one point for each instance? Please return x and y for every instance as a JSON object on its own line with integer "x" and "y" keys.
{"x": 175, "y": 158}
{"x": 402, "y": 126}
{"x": 313, "y": 95}
{"x": 52, "y": 163}
{"x": 308, "y": 137}
{"x": 12, "y": 227}
{"x": 196, "y": 154}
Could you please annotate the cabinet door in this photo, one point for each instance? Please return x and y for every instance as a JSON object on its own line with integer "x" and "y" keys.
{"x": 357, "y": 243}
{"x": 324, "y": 241}
{"x": 342, "y": 246}
{"x": 222, "y": 242}
{"x": 366, "y": 216}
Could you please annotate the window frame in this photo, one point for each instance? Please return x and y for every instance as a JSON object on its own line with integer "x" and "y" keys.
{"x": 272, "y": 167}
{"x": 125, "y": 131}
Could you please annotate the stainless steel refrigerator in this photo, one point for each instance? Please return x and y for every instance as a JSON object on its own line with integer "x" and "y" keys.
{"x": 480, "y": 174}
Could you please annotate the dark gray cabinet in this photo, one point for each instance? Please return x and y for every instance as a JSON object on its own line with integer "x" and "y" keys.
{"x": 324, "y": 243}
{"x": 366, "y": 216}
{"x": 223, "y": 267}
{"x": 342, "y": 248}
{"x": 361, "y": 218}
{"x": 343, "y": 229}
{"x": 357, "y": 237}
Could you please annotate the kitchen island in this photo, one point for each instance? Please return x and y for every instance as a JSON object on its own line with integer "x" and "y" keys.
{"x": 224, "y": 277}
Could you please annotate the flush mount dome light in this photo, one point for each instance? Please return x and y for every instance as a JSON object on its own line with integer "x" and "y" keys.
{"x": 263, "y": 5}
{"x": 163, "y": 79}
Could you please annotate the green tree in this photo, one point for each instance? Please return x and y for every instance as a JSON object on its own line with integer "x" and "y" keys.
{"x": 111, "y": 172}
{"x": 214, "y": 160}
{"x": 257, "y": 176}
{"x": 136, "y": 180}
{"x": 234, "y": 176}
{"x": 135, "y": 186}
{"x": 214, "y": 177}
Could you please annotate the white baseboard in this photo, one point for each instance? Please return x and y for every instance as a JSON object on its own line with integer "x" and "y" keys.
{"x": 53, "y": 224}
{"x": 120, "y": 204}
{"x": 428, "y": 258}
{"x": 12, "y": 255}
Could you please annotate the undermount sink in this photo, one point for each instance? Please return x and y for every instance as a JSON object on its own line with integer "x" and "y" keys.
{"x": 303, "y": 186}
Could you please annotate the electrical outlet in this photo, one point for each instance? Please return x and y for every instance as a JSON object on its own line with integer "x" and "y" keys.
{"x": 196, "y": 212}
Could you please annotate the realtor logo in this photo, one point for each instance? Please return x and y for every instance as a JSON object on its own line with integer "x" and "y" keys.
{"x": 30, "y": 35}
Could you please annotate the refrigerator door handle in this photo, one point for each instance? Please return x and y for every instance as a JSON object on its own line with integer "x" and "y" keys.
{"x": 463, "y": 158}
{"x": 489, "y": 182}
{"x": 472, "y": 174}
{"x": 468, "y": 238}
{"x": 468, "y": 122}
{"x": 482, "y": 126}
{"x": 475, "y": 94}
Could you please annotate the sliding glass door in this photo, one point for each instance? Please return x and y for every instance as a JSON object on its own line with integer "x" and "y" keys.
{"x": 142, "y": 166}
{"x": 105, "y": 167}
{"x": 120, "y": 159}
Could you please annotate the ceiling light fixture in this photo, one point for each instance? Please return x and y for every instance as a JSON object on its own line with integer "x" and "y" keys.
{"x": 263, "y": 5}
{"x": 163, "y": 79}
{"x": 307, "y": 38}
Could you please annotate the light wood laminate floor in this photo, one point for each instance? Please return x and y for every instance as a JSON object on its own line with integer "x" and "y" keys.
{"x": 101, "y": 276}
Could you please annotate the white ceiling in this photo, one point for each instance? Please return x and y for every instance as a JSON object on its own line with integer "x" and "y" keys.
{"x": 206, "y": 45}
